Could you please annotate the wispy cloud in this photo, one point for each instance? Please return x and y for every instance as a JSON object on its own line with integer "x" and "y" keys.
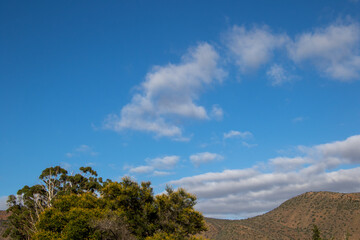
{"x": 66, "y": 165}
{"x": 217, "y": 112}
{"x": 141, "y": 169}
{"x": 248, "y": 192}
{"x": 161, "y": 173}
{"x": 233, "y": 134}
{"x": 278, "y": 75}
{"x": 298, "y": 119}
{"x": 205, "y": 157}
{"x": 82, "y": 150}
{"x": 249, "y": 145}
{"x": 169, "y": 93}
{"x": 154, "y": 165}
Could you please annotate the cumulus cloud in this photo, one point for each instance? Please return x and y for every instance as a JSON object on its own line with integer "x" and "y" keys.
{"x": 205, "y": 157}
{"x": 233, "y": 133}
{"x": 254, "y": 47}
{"x": 334, "y": 50}
{"x": 170, "y": 92}
{"x": 154, "y": 165}
{"x": 167, "y": 162}
{"x": 249, "y": 192}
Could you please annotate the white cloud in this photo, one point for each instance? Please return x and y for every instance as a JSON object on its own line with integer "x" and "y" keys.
{"x": 248, "y": 192}
{"x": 217, "y": 112}
{"x": 278, "y": 75}
{"x": 334, "y": 50}
{"x": 155, "y": 164}
{"x": 167, "y": 162}
{"x": 3, "y": 204}
{"x": 286, "y": 163}
{"x": 254, "y": 47}
{"x": 233, "y": 133}
{"x": 249, "y": 145}
{"x": 141, "y": 169}
{"x": 205, "y": 157}
{"x": 344, "y": 152}
{"x": 170, "y": 93}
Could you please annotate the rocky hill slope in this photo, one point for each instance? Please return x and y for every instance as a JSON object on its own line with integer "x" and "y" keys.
{"x": 336, "y": 215}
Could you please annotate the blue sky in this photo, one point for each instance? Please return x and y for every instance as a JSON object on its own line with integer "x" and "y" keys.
{"x": 244, "y": 103}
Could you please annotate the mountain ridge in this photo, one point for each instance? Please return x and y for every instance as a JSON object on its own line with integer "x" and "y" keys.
{"x": 336, "y": 215}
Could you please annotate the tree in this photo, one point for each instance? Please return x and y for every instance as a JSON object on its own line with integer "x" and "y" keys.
{"x": 113, "y": 227}
{"x": 82, "y": 206}
{"x": 69, "y": 216}
{"x": 133, "y": 203}
{"x": 30, "y": 202}
{"x": 316, "y": 233}
{"x": 177, "y": 214}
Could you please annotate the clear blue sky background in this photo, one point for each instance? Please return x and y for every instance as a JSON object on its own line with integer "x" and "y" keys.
{"x": 264, "y": 86}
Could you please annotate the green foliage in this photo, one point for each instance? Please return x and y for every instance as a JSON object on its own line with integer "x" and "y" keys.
{"x": 29, "y": 203}
{"x": 82, "y": 206}
{"x": 316, "y": 233}
{"x": 69, "y": 216}
{"x": 178, "y": 216}
{"x": 134, "y": 204}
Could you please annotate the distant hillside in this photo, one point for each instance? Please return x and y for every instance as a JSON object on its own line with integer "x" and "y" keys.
{"x": 336, "y": 214}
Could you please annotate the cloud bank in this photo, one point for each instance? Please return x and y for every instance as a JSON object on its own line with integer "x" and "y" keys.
{"x": 249, "y": 192}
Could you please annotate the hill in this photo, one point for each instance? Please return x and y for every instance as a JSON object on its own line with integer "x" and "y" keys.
{"x": 336, "y": 214}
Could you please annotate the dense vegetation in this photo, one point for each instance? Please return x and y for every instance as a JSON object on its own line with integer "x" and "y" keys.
{"x": 83, "y": 206}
